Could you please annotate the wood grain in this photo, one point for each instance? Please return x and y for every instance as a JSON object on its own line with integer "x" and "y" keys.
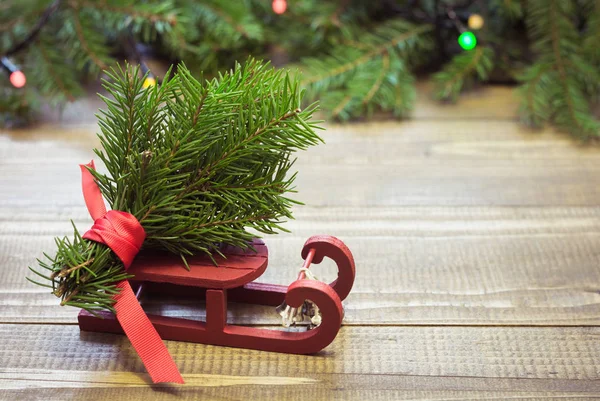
{"x": 370, "y": 362}
{"x": 447, "y": 265}
{"x": 440, "y": 163}
{"x": 489, "y": 103}
{"x": 418, "y": 163}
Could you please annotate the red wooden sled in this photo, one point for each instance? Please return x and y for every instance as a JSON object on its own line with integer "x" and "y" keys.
{"x": 233, "y": 279}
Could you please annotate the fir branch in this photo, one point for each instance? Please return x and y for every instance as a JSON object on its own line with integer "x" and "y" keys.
{"x": 17, "y": 47}
{"x": 403, "y": 96}
{"x": 535, "y": 105}
{"x": 554, "y": 17}
{"x": 368, "y": 56}
{"x": 194, "y": 180}
{"x": 451, "y": 80}
{"x": 558, "y": 84}
{"x": 511, "y": 8}
{"x": 591, "y": 40}
{"x": 227, "y": 18}
{"x": 377, "y": 84}
{"x": 9, "y": 26}
{"x": 15, "y": 106}
{"x": 133, "y": 12}
{"x": 84, "y": 42}
{"x": 216, "y": 25}
{"x": 344, "y": 102}
{"x": 356, "y": 80}
{"x": 56, "y": 77}
{"x": 208, "y": 170}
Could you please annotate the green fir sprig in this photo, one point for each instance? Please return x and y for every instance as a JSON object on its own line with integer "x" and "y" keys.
{"x": 462, "y": 71}
{"x": 557, "y": 86}
{"x": 198, "y": 163}
{"x": 370, "y": 73}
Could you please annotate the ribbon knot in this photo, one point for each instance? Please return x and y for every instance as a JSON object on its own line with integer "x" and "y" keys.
{"x": 121, "y": 232}
{"x": 124, "y": 235}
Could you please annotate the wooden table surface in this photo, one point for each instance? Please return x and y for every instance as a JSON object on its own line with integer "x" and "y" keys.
{"x": 477, "y": 245}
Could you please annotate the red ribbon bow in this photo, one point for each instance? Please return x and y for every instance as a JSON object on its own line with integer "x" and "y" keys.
{"x": 124, "y": 235}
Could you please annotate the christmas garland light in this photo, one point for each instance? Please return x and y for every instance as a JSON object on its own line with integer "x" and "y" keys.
{"x": 15, "y": 75}
{"x": 467, "y": 39}
{"x": 279, "y": 6}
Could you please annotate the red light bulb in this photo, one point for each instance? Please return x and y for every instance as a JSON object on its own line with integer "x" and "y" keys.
{"x": 279, "y": 6}
{"x": 17, "y": 79}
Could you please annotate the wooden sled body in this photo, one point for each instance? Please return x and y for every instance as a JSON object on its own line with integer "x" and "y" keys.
{"x": 232, "y": 280}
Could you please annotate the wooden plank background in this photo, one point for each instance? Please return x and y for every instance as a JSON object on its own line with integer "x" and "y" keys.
{"x": 477, "y": 248}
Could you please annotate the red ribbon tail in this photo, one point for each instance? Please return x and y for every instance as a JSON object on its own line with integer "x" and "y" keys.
{"x": 144, "y": 337}
{"x": 122, "y": 233}
{"x": 91, "y": 192}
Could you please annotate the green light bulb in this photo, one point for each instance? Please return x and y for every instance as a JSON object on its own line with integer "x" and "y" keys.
{"x": 467, "y": 40}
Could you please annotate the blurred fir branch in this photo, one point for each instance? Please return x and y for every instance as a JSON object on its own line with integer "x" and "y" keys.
{"x": 461, "y": 71}
{"x": 512, "y": 9}
{"x": 363, "y": 75}
{"x": 77, "y": 41}
{"x": 16, "y": 107}
{"x": 556, "y": 87}
{"x": 356, "y": 57}
{"x": 591, "y": 39}
{"x": 315, "y": 26}
{"x": 54, "y": 80}
{"x": 213, "y": 31}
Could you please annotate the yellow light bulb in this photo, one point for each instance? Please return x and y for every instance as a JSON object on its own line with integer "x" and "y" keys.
{"x": 475, "y": 21}
{"x": 149, "y": 81}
